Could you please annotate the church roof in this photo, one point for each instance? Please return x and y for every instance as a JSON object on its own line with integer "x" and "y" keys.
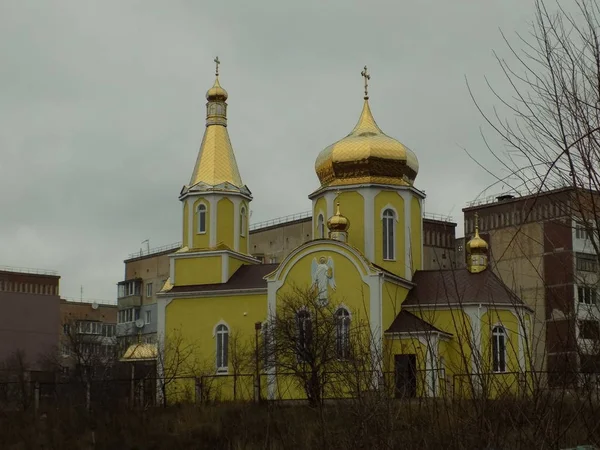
{"x": 459, "y": 287}
{"x": 406, "y": 322}
{"x": 246, "y": 277}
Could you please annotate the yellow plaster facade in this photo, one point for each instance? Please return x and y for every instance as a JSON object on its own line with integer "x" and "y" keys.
{"x": 365, "y": 269}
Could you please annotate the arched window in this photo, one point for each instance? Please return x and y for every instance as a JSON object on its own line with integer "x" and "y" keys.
{"x": 243, "y": 221}
{"x": 388, "y": 234}
{"x": 222, "y": 335}
{"x": 320, "y": 227}
{"x": 342, "y": 332}
{"x": 499, "y": 349}
{"x": 201, "y": 218}
{"x": 303, "y": 342}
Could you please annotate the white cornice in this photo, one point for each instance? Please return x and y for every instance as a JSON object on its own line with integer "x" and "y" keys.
{"x": 353, "y": 187}
{"x": 213, "y": 293}
{"x": 204, "y": 253}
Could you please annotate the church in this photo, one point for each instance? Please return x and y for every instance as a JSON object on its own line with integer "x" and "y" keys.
{"x": 432, "y": 333}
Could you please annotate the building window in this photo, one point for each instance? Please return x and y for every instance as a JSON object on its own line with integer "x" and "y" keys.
{"x": 581, "y": 231}
{"x": 342, "y": 333}
{"x": 589, "y": 329}
{"x": 499, "y": 349}
{"x": 148, "y": 290}
{"x": 586, "y": 262}
{"x": 148, "y": 317}
{"x": 222, "y": 334}
{"x": 320, "y": 227}
{"x": 243, "y": 221}
{"x": 304, "y": 329}
{"x": 587, "y": 295}
{"x": 201, "y": 218}
{"x": 388, "y": 234}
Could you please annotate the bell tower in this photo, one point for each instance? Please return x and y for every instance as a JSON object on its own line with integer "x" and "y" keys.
{"x": 215, "y": 204}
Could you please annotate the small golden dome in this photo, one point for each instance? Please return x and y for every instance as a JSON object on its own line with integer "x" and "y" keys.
{"x": 367, "y": 155}
{"x": 338, "y": 222}
{"x": 216, "y": 93}
{"x": 477, "y": 244}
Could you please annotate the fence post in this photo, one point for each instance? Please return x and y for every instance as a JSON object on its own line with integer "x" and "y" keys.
{"x": 36, "y": 397}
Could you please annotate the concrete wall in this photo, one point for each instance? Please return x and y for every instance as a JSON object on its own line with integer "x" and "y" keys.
{"x": 274, "y": 243}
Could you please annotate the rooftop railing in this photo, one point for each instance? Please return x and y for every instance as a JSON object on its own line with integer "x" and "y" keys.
{"x": 523, "y": 192}
{"x": 89, "y": 300}
{"x": 280, "y": 220}
{"x": 152, "y": 251}
{"x": 440, "y": 217}
{"x": 28, "y": 270}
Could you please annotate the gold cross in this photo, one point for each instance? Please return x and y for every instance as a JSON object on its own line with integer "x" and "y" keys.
{"x": 217, "y": 62}
{"x": 367, "y": 77}
{"x": 476, "y": 222}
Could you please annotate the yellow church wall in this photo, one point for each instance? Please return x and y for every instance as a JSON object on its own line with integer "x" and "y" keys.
{"x": 351, "y": 290}
{"x": 201, "y": 270}
{"x": 225, "y": 212}
{"x": 200, "y": 240}
{"x": 392, "y": 298}
{"x": 191, "y": 322}
{"x": 352, "y": 205}
{"x": 320, "y": 207}
{"x": 415, "y": 234}
{"x": 383, "y": 199}
{"x": 243, "y": 248}
{"x": 234, "y": 264}
{"x": 186, "y": 222}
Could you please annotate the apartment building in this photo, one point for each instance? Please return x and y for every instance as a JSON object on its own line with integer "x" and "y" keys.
{"x": 30, "y": 319}
{"x": 88, "y": 334}
{"x": 541, "y": 249}
{"x": 145, "y": 273}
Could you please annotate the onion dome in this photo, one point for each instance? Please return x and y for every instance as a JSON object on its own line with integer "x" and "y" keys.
{"x": 216, "y": 93}
{"x": 477, "y": 251}
{"x": 338, "y": 222}
{"x": 367, "y": 155}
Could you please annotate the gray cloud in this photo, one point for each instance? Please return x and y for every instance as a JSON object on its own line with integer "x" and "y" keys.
{"x": 102, "y": 110}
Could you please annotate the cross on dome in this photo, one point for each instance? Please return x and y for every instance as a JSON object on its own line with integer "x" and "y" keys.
{"x": 367, "y": 77}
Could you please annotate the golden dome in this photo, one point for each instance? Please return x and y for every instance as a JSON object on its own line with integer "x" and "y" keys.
{"x": 366, "y": 155}
{"x": 338, "y": 222}
{"x": 216, "y": 93}
{"x": 477, "y": 244}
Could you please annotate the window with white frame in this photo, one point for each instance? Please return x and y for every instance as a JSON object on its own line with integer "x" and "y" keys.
{"x": 148, "y": 316}
{"x": 201, "y": 218}
{"x": 389, "y": 222}
{"x": 586, "y": 262}
{"x": 148, "y": 290}
{"x": 587, "y": 295}
{"x": 304, "y": 329}
{"x": 342, "y": 333}
{"x": 243, "y": 221}
{"x": 320, "y": 227}
{"x": 222, "y": 335}
{"x": 499, "y": 349}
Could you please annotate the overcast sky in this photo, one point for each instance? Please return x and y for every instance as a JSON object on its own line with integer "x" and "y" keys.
{"x": 102, "y": 110}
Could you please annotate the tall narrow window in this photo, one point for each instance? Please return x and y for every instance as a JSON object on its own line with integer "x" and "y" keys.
{"x": 388, "y": 234}
{"x": 342, "y": 342}
{"x": 243, "y": 221}
{"x": 304, "y": 325}
{"x": 201, "y": 218}
{"x": 148, "y": 290}
{"x": 222, "y": 334}
{"x": 320, "y": 227}
{"x": 499, "y": 349}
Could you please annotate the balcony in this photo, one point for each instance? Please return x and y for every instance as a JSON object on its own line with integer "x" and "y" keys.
{"x": 129, "y": 293}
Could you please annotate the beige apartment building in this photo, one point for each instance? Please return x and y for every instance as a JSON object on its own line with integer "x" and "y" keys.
{"x": 145, "y": 273}
{"x": 540, "y": 250}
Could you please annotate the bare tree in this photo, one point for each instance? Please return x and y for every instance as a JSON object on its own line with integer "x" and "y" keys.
{"x": 174, "y": 359}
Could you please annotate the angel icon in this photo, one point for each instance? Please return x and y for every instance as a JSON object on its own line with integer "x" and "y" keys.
{"x": 323, "y": 276}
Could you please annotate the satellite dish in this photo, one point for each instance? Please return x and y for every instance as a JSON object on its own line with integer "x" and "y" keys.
{"x": 139, "y": 323}
{"x": 94, "y": 305}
